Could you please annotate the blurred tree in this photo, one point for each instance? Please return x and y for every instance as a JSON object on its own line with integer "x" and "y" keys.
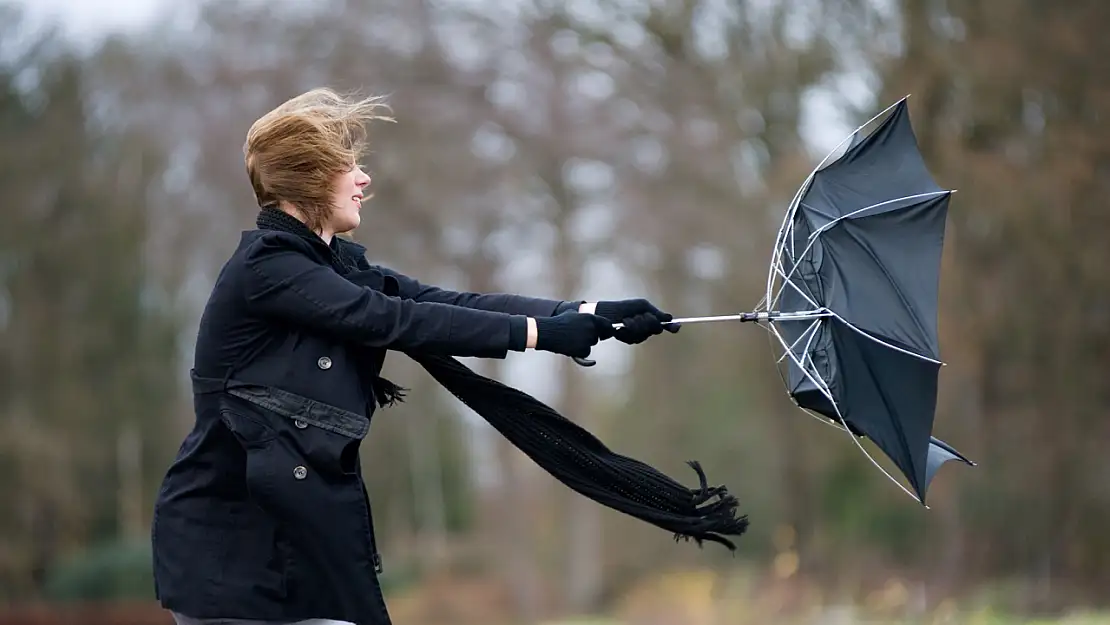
{"x": 87, "y": 352}
{"x": 1008, "y": 105}
{"x": 614, "y": 150}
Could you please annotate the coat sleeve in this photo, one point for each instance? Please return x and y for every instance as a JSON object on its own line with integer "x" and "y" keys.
{"x": 284, "y": 284}
{"x": 509, "y": 303}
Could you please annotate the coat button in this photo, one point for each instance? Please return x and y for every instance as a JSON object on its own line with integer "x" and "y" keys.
{"x": 300, "y": 472}
{"x": 324, "y": 362}
{"x": 300, "y": 424}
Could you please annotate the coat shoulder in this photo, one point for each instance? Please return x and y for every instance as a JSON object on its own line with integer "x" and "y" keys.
{"x": 256, "y": 243}
{"x": 259, "y": 248}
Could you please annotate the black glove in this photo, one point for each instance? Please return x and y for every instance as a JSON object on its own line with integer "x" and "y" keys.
{"x": 571, "y": 333}
{"x": 641, "y": 319}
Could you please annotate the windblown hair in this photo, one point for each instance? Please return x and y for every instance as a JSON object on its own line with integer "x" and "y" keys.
{"x": 295, "y": 152}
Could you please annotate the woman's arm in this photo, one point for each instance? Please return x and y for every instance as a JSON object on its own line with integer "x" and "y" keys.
{"x": 509, "y": 303}
{"x": 283, "y": 283}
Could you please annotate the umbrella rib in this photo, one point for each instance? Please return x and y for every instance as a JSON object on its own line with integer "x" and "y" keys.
{"x": 886, "y": 344}
{"x": 895, "y": 285}
{"x": 809, "y": 344}
{"x": 777, "y": 268}
{"x": 786, "y": 280}
{"x": 821, "y": 386}
{"x": 897, "y": 425}
{"x": 822, "y": 419}
{"x": 792, "y": 208}
{"x": 837, "y": 220}
{"x": 785, "y": 237}
{"x": 810, "y": 330}
{"x": 827, "y": 392}
{"x": 771, "y": 345}
{"x": 816, "y": 233}
{"x": 824, "y": 228}
{"x": 819, "y": 211}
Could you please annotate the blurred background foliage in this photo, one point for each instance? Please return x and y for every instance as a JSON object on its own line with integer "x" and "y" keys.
{"x": 595, "y": 149}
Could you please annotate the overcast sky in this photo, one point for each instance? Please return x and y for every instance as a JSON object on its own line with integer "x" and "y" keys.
{"x": 94, "y": 17}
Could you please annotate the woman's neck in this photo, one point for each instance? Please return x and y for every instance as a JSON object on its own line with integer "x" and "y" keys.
{"x": 293, "y": 211}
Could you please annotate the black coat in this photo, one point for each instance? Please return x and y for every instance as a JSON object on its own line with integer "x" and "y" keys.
{"x": 264, "y": 513}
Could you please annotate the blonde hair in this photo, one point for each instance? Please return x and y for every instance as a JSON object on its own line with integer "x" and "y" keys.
{"x": 294, "y": 152}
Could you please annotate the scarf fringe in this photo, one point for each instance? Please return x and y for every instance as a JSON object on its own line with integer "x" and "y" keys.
{"x": 387, "y": 393}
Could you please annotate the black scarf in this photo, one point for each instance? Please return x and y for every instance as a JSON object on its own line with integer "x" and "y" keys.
{"x": 568, "y": 452}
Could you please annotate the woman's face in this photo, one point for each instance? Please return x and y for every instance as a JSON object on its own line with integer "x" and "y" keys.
{"x": 347, "y": 200}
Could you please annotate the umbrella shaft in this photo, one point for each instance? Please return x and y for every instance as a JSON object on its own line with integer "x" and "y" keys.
{"x": 739, "y": 317}
{"x": 748, "y": 316}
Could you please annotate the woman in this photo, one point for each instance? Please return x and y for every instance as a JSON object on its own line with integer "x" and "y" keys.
{"x": 264, "y": 516}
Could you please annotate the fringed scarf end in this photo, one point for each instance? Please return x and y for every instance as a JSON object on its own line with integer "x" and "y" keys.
{"x": 387, "y": 393}
{"x": 715, "y": 518}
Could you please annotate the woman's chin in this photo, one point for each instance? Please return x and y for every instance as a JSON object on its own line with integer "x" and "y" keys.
{"x": 347, "y": 225}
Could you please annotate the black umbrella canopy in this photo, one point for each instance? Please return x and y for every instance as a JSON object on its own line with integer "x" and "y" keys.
{"x": 861, "y": 251}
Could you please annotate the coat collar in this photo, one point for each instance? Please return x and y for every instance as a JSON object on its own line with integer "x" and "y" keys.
{"x": 347, "y": 251}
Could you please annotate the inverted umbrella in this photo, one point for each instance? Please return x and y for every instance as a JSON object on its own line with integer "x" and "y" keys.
{"x": 852, "y": 294}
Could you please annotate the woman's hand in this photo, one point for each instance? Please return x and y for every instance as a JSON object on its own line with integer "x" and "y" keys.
{"x": 641, "y": 319}
{"x": 570, "y": 333}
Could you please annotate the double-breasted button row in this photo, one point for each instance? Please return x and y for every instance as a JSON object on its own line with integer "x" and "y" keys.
{"x": 299, "y": 471}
